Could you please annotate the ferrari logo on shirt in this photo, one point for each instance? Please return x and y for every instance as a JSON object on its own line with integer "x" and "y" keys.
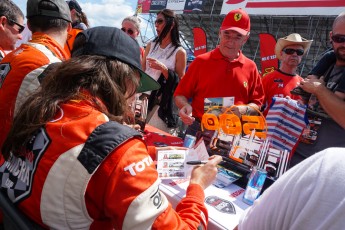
{"x": 237, "y": 17}
{"x": 245, "y": 84}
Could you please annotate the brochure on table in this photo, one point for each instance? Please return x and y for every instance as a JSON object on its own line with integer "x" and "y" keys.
{"x": 224, "y": 205}
{"x": 172, "y": 163}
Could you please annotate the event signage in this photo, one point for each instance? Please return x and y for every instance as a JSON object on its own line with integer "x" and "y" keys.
{"x": 179, "y": 6}
{"x": 255, "y": 7}
{"x": 269, "y": 61}
{"x": 285, "y": 7}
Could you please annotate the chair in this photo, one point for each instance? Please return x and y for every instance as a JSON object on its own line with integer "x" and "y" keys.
{"x": 13, "y": 218}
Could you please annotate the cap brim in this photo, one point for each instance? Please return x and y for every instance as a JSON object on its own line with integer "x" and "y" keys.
{"x": 147, "y": 83}
{"x": 237, "y": 29}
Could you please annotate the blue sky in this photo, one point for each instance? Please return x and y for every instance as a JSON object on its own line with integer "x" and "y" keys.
{"x": 101, "y": 12}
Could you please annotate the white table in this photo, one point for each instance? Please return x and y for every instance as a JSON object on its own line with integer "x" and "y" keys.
{"x": 175, "y": 191}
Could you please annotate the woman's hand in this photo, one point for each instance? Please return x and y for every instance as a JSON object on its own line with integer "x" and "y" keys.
{"x": 204, "y": 175}
{"x": 155, "y": 64}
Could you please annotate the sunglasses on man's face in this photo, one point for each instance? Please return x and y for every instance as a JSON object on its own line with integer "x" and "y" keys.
{"x": 21, "y": 27}
{"x": 289, "y": 51}
{"x": 129, "y": 31}
{"x": 159, "y": 21}
{"x": 338, "y": 38}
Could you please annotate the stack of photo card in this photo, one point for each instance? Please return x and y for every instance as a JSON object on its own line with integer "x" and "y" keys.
{"x": 274, "y": 161}
{"x": 171, "y": 163}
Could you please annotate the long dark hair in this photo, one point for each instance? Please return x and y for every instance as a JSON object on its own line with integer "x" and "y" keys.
{"x": 110, "y": 81}
{"x": 171, "y": 20}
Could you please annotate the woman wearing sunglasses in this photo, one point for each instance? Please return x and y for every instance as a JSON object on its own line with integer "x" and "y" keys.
{"x": 131, "y": 26}
{"x": 165, "y": 60}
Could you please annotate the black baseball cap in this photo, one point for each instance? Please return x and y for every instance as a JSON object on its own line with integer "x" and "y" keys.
{"x": 113, "y": 43}
{"x": 62, "y": 11}
{"x": 73, "y": 4}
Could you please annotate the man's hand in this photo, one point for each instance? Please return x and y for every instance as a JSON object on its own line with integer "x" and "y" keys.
{"x": 313, "y": 86}
{"x": 186, "y": 114}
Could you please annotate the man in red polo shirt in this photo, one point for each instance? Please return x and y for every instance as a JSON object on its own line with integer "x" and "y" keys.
{"x": 222, "y": 72}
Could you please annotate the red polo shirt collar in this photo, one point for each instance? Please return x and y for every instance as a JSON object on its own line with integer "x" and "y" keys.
{"x": 216, "y": 54}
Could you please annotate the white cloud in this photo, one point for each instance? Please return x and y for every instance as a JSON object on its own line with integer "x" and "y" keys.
{"x": 107, "y": 12}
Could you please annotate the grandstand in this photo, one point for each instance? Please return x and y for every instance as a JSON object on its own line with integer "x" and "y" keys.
{"x": 315, "y": 27}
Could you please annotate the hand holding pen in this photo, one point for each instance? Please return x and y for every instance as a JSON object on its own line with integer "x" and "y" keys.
{"x": 205, "y": 174}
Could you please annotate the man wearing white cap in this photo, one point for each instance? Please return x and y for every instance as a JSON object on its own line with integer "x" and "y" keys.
{"x": 290, "y": 51}
{"x": 222, "y": 72}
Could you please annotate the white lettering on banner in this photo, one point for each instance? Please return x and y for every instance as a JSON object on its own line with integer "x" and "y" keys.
{"x": 160, "y": 3}
{"x": 285, "y": 7}
{"x": 140, "y": 166}
{"x": 200, "y": 47}
{"x": 271, "y": 57}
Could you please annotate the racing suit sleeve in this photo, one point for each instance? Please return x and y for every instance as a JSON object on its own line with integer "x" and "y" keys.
{"x": 133, "y": 200}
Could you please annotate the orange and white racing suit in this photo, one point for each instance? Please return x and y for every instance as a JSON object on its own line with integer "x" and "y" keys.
{"x": 19, "y": 75}
{"x": 81, "y": 171}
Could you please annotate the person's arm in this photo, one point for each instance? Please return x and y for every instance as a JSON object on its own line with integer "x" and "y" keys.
{"x": 323, "y": 64}
{"x": 147, "y": 50}
{"x": 185, "y": 109}
{"x": 256, "y": 95}
{"x": 181, "y": 62}
{"x": 133, "y": 189}
{"x": 333, "y": 105}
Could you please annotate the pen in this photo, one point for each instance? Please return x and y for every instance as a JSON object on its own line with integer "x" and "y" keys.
{"x": 196, "y": 162}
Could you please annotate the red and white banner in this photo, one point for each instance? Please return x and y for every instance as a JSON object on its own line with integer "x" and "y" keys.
{"x": 200, "y": 41}
{"x": 285, "y": 7}
{"x": 269, "y": 61}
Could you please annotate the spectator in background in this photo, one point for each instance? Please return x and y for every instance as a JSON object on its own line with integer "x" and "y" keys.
{"x": 327, "y": 111}
{"x": 290, "y": 51}
{"x": 165, "y": 61}
{"x": 11, "y": 26}
{"x": 131, "y": 26}
{"x": 49, "y": 22}
{"x": 26, "y": 36}
{"x": 90, "y": 171}
{"x": 79, "y": 23}
{"x": 222, "y": 72}
{"x": 79, "y": 18}
{"x": 327, "y": 60}
{"x": 308, "y": 196}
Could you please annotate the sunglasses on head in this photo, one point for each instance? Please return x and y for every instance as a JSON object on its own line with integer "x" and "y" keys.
{"x": 159, "y": 21}
{"x": 129, "y": 31}
{"x": 338, "y": 38}
{"x": 21, "y": 27}
{"x": 289, "y": 51}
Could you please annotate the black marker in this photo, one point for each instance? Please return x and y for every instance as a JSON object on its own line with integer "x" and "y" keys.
{"x": 196, "y": 162}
